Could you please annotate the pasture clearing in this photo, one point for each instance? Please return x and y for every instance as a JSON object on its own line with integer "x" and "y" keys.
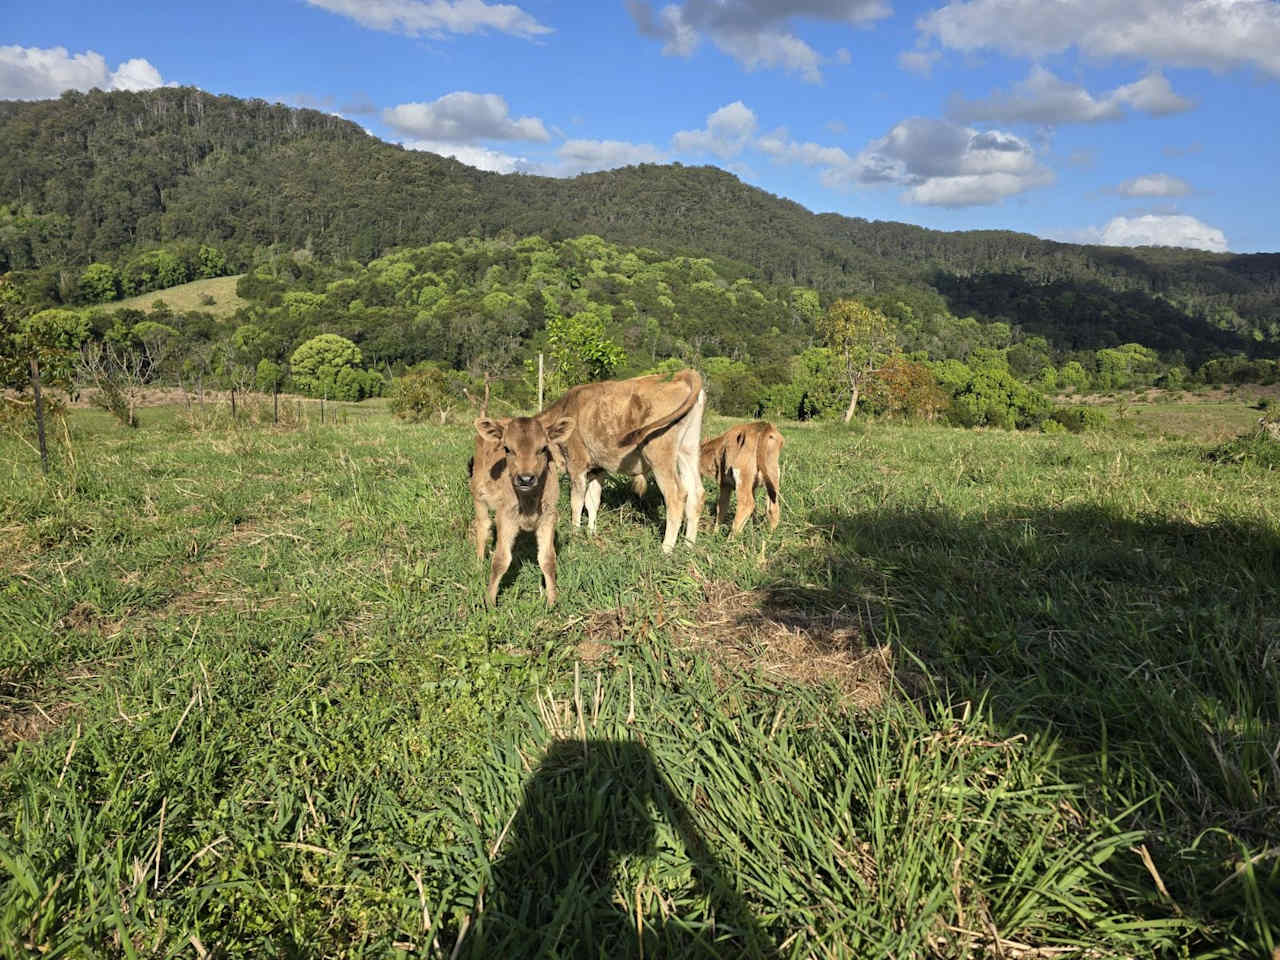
{"x": 253, "y": 704}
{"x": 190, "y": 298}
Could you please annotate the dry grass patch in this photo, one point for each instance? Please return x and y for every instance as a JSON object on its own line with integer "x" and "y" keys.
{"x": 792, "y": 638}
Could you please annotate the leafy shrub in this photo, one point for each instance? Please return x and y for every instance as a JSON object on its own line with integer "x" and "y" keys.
{"x": 905, "y": 388}
{"x": 1079, "y": 418}
{"x": 427, "y": 391}
{"x": 994, "y": 398}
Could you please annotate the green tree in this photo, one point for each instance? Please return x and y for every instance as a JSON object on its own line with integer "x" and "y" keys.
{"x": 100, "y": 283}
{"x": 212, "y": 262}
{"x": 153, "y": 270}
{"x": 269, "y": 377}
{"x": 862, "y": 339}
{"x": 580, "y": 349}
{"x": 318, "y": 362}
{"x": 53, "y": 337}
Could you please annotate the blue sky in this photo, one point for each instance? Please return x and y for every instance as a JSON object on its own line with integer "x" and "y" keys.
{"x": 1117, "y": 121}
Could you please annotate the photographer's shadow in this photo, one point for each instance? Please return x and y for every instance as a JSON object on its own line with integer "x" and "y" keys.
{"x": 582, "y": 871}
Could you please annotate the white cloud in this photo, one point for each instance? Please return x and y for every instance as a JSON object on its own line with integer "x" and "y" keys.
{"x": 1154, "y": 185}
{"x": 580, "y": 156}
{"x": 482, "y": 158}
{"x": 725, "y": 135}
{"x": 836, "y": 163}
{"x": 136, "y": 74}
{"x": 949, "y": 165}
{"x": 754, "y": 32}
{"x": 772, "y": 49}
{"x": 463, "y": 117}
{"x": 1162, "y": 230}
{"x": 436, "y": 17}
{"x": 918, "y": 61}
{"x": 1218, "y": 34}
{"x": 1044, "y": 99}
{"x": 33, "y": 73}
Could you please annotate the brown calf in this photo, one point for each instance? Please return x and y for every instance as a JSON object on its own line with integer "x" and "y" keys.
{"x": 629, "y": 426}
{"x": 744, "y": 457}
{"x": 515, "y": 474}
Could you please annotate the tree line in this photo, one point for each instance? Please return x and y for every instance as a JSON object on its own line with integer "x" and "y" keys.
{"x": 437, "y": 326}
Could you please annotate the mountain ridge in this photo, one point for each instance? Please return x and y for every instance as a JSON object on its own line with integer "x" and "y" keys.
{"x": 98, "y": 176}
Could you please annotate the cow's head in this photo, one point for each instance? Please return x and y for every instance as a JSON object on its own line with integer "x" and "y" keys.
{"x": 529, "y": 446}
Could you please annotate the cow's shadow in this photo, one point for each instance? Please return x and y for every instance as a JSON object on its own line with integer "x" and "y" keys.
{"x": 569, "y": 876}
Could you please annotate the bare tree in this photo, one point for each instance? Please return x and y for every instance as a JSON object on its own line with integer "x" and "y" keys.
{"x": 118, "y": 374}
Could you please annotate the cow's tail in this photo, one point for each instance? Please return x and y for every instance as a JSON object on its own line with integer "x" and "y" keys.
{"x": 694, "y": 381}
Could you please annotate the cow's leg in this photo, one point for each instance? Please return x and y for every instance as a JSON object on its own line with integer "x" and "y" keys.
{"x": 722, "y": 504}
{"x": 480, "y": 529}
{"x": 746, "y": 477}
{"x": 687, "y": 455}
{"x": 772, "y": 486}
{"x": 501, "y": 556}
{"x": 594, "y": 489}
{"x": 547, "y": 558}
{"x": 577, "y": 496}
{"x": 674, "y": 497}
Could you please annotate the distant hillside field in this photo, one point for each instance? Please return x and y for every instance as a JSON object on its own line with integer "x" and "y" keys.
{"x": 188, "y": 297}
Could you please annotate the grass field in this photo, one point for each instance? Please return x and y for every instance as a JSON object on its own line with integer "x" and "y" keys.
{"x": 980, "y": 694}
{"x": 188, "y": 297}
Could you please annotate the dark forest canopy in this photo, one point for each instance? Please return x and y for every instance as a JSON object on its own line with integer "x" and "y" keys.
{"x": 100, "y": 177}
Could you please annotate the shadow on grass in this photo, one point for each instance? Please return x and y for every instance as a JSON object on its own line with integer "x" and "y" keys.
{"x": 1150, "y": 646}
{"x": 585, "y": 854}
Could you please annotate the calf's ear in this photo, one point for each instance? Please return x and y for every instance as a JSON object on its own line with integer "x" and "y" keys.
{"x": 559, "y": 431}
{"x": 489, "y": 429}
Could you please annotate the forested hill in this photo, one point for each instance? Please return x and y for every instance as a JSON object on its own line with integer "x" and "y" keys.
{"x": 98, "y": 176}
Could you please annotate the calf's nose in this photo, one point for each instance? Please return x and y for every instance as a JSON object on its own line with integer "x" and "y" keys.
{"x": 525, "y": 479}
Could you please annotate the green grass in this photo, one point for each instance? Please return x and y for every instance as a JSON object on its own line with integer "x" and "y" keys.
{"x": 252, "y": 700}
{"x": 188, "y": 297}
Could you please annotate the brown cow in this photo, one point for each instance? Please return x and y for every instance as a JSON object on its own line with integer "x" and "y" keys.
{"x": 515, "y": 473}
{"x": 629, "y": 426}
{"x": 744, "y": 457}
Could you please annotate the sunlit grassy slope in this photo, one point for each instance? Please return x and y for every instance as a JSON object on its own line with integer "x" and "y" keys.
{"x": 980, "y": 694}
{"x": 193, "y": 296}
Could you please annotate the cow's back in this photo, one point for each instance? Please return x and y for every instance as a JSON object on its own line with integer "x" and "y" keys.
{"x": 610, "y": 412}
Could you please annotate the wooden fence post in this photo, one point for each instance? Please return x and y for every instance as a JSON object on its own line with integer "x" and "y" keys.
{"x": 35, "y": 386}
{"x": 275, "y": 404}
{"x": 539, "y": 381}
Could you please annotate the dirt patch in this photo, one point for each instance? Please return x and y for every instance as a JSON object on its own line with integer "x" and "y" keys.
{"x": 29, "y": 722}
{"x": 795, "y": 640}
